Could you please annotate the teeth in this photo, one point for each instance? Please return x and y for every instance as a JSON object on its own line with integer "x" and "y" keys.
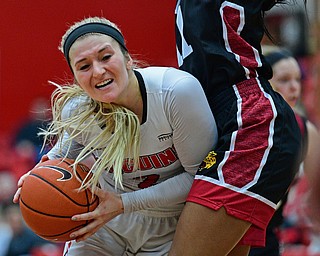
{"x": 104, "y": 83}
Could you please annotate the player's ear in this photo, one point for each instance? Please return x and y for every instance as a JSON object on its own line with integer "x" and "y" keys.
{"x": 129, "y": 63}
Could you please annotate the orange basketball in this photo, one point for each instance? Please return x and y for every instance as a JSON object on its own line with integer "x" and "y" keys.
{"x": 50, "y": 197}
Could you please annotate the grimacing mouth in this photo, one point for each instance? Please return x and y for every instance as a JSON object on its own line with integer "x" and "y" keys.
{"x": 104, "y": 83}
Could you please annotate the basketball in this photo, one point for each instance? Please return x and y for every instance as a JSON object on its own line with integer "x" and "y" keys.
{"x": 50, "y": 197}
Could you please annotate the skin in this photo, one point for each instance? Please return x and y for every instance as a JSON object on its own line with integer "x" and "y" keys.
{"x": 214, "y": 225}
{"x": 105, "y": 73}
{"x": 312, "y": 168}
{"x": 97, "y": 60}
{"x": 287, "y": 80}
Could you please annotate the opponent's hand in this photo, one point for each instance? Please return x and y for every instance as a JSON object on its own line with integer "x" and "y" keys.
{"x": 16, "y": 196}
{"x": 110, "y": 206}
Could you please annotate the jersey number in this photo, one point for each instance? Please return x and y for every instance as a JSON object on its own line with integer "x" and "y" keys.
{"x": 233, "y": 21}
{"x": 186, "y": 49}
{"x": 148, "y": 180}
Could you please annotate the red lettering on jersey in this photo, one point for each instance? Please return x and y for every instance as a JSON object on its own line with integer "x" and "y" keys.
{"x": 145, "y": 163}
{"x": 127, "y": 166}
{"x": 155, "y": 161}
{"x": 168, "y": 157}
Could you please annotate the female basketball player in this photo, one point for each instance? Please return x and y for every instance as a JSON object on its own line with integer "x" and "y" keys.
{"x": 148, "y": 130}
{"x": 234, "y": 197}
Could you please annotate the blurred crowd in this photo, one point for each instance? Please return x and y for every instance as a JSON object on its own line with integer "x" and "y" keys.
{"x": 18, "y": 154}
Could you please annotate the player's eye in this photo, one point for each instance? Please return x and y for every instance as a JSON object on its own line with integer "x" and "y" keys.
{"x": 84, "y": 67}
{"x": 106, "y": 57}
{"x": 284, "y": 80}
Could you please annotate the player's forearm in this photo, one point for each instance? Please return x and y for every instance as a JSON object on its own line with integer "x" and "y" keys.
{"x": 62, "y": 148}
{"x": 170, "y": 192}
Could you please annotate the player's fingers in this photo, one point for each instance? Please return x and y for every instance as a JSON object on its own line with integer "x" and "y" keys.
{"x": 86, "y": 216}
{"x": 16, "y": 196}
{"x": 84, "y": 237}
{"x": 99, "y": 192}
{"x": 87, "y": 230}
{"x": 22, "y": 178}
{"x": 88, "y": 234}
{"x": 44, "y": 158}
{"x": 79, "y": 233}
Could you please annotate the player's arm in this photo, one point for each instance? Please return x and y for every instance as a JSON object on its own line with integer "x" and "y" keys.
{"x": 194, "y": 128}
{"x": 312, "y": 171}
{"x": 65, "y": 148}
{"x": 194, "y": 136}
{"x": 170, "y": 192}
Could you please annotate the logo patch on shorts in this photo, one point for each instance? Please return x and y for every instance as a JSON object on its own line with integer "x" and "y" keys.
{"x": 209, "y": 161}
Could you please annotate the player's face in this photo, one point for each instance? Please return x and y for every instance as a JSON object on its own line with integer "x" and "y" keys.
{"x": 287, "y": 80}
{"x": 100, "y": 68}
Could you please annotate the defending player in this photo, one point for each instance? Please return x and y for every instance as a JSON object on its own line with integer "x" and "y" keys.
{"x": 234, "y": 194}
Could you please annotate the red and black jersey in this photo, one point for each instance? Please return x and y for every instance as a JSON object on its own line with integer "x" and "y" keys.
{"x": 227, "y": 52}
{"x": 258, "y": 149}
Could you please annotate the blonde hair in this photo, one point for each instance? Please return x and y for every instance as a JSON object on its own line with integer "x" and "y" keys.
{"x": 118, "y": 138}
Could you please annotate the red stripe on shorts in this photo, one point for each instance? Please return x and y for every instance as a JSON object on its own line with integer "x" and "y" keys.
{"x": 250, "y": 145}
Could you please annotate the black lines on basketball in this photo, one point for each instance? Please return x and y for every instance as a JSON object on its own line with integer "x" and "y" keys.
{"x": 57, "y": 188}
{"x": 50, "y": 196}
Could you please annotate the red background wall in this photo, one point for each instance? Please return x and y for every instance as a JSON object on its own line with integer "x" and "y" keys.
{"x": 30, "y": 33}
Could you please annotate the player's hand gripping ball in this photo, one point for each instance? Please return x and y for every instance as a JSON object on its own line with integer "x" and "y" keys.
{"x": 50, "y": 197}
